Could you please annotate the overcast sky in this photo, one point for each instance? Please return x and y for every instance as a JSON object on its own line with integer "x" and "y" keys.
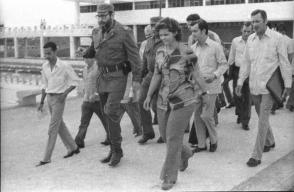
{"x": 30, "y": 12}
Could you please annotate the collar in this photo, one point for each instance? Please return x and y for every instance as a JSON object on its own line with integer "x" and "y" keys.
{"x": 57, "y": 64}
{"x": 207, "y": 42}
{"x": 267, "y": 33}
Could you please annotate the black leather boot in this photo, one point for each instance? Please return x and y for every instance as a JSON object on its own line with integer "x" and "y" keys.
{"x": 106, "y": 159}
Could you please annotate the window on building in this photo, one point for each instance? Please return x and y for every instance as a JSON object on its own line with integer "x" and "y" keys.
{"x": 88, "y": 8}
{"x": 123, "y": 6}
{"x": 222, "y": 2}
{"x": 266, "y": 1}
{"x": 149, "y": 4}
{"x": 184, "y": 3}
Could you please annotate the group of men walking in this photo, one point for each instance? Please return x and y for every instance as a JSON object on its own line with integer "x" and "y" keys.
{"x": 118, "y": 79}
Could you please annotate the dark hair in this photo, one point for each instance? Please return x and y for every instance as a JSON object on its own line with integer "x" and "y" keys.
{"x": 202, "y": 24}
{"x": 262, "y": 13}
{"x": 247, "y": 24}
{"x": 51, "y": 45}
{"x": 170, "y": 24}
{"x": 89, "y": 54}
{"x": 193, "y": 17}
{"x": 281, "y": 27}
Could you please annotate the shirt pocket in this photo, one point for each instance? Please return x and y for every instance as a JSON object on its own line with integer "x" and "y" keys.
{"x": 270, "y": 54}
{"x": 252, "y": 53}
{"x": 114, "y": 49}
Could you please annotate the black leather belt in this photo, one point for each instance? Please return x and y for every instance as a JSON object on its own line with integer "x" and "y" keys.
{"x": 112, "y": 68}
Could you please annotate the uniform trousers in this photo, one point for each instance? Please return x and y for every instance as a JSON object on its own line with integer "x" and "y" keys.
{"x": 204, "y": 119}
{"x": 263, "y": 104}
{"x": 146, "y": 117}
{"x": 110, "y": 102}
{"x": 172, "y": 125}
{"x": 132, "y": 109}
{"x": 57, "y": 126}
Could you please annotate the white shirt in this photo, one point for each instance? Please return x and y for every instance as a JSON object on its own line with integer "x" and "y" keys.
{"x": 211, "y": 60}
{"x": 237, "y": 50}
{"x": 261, "y": 58}
{"x": 290, "y": 49}
{"x": 60, "y": 78}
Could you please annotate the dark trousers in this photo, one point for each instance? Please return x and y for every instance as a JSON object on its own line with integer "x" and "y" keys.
{"x": 132, "y": 109}
{"x": 146, "y": 117}
{"x": 243, "y": 103}
{"x": 87, "y": 111}
{"x": 227, "y": 90}
{"x": 110, "y": 102}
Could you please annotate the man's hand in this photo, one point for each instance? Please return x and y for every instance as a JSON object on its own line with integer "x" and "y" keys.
{"x": 40, "y": 108}
{"x": 136, "y": 90}
{"x": 146, "y": 104}
{"x": 238, "y": 90}
{"x": 209, "y": 78}
{"x": 286, "y": 92}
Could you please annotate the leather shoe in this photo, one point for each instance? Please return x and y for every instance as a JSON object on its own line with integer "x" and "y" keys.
{"x": 145, "y": 138}
{"x": 80, "y": 144}
{"x": 238, "y": 120}
{"x": 106, "y": 159}
{"x": 198, "y": 149}
{"x": 115, "y": 159}
{"x": 213, "y": 147}
{"x": 105, "y": 142}
{"x": 268, "y": 148}
{"x": 184, "y": 164}
{"x": 166, "y": 185}
{"x": 72, "y": 153}
{"x": 245, "y": 127}
{"x": 160, "y": 140}
{"x": 253, "y": 162}
{"x": 42, "y": 163}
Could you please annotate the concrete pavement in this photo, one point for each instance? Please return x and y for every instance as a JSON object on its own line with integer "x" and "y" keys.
{"x": 23, "y": 140}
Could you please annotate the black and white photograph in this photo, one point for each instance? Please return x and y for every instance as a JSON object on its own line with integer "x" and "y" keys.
{"x": 147, "y": 95}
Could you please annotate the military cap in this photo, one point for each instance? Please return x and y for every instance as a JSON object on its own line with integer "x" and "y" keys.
{"x": 89, "y": 54}
{"x": 105, "y": 8}
{"x": 154, "y": 20}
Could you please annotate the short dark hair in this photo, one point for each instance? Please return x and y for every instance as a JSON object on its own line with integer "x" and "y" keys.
{"x": 202, "y": 24}
{"x": 51, "y": 45}
{"x": 247, "y": 24}
{"x": 281, "y": 27}
{"x": 172, "y": 25}
{"x": 193, "y": 17}
{"x": 89, "y": 54}
{"x": 262, "y": 13}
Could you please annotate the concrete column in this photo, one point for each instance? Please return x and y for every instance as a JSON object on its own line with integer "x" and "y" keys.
{"x": 5, "y": 47}
{"x": 25, "y": 47}
{"x": 204, "y": 2}
{"x": 246, "y": 1}
{"x": 41, "y": 46}
{"x": 166, "y": 4}
{"x": 293, "y": 30}
{"x": 133, "y": 4}
{"x": 16, "y": 47}
{"x": 77, "y": 13}
{"x": 72, "y": 47}
{"x": 135, "y": 31}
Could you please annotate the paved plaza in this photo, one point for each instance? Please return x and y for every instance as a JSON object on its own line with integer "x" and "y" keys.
{"x": 24, "y": 136}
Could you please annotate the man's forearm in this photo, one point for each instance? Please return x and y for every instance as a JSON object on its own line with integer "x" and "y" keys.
{"x": 69, "y": 89}
{"x": 43, "y": 96}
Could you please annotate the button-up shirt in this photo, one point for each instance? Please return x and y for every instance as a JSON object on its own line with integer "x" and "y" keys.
{"x": 290, "y": 49}
{"x": 90, "y": 83}
{"x": 60, "y": 78}
{"x": 211, "y": 60}
{"x": 237, "y": 50}
{"x": 261, "y": 58}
